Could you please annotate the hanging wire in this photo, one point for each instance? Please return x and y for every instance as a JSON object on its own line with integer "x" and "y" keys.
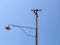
{"x": 20, "y": 27}
{"x": 27, "y": 33}
{"x": 8, "y": 28}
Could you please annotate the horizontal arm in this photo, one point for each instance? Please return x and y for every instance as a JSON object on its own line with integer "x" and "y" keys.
{"x": 21, "y": 26}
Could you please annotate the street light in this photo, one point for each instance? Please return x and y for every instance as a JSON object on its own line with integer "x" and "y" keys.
{"x": 7, "y": 27}
{"x": 36, "y": 29}
{"x": 20, "y": 27}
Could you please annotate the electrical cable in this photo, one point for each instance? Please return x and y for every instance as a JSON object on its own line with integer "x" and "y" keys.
{"x": 26, "y": 33}
{"x": 22, "y": 26}
{"x": 23, "y": 30}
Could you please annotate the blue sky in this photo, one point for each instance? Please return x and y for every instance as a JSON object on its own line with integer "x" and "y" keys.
{"x": 19, "y": 12}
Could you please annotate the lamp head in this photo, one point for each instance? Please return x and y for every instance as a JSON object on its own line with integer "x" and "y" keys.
{"x": 7, "y": 27}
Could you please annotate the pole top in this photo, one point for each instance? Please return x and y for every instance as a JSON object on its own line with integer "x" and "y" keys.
{"x": 36, "y": 11}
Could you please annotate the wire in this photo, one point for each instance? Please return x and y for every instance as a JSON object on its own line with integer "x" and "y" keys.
{"x": 23, "y": 31}
{"x": 22, "y": 26}
{"x": 27, "y": 33}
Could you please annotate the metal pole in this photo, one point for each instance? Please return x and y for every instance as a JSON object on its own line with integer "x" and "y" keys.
{"x": 36, "y": 38}
{"x": 36, "y": 31}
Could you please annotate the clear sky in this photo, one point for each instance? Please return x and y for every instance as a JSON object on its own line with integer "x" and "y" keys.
{"x": 19, "y": 12}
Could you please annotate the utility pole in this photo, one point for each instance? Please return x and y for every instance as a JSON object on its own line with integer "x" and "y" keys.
{"x": 36, "y": 28}
{"x": 36, "y": 31}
